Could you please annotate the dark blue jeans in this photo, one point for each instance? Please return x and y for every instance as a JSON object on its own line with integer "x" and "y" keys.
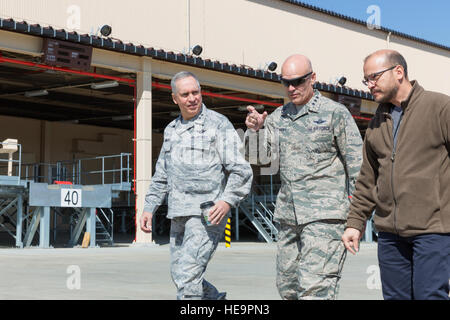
{"x": 414, "y": 267}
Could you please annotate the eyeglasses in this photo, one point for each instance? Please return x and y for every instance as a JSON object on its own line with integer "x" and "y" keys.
{"x": 296, "y": 81}
{"x": 373, "y": 78}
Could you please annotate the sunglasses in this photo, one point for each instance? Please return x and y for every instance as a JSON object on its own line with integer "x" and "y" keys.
{"x": 296, "y": 81}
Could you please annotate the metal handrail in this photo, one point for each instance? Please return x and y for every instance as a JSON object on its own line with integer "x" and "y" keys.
{"x": 261, "y": 216}
{"x": 264, "y": 218}
{"x": 72, "y": 170}
{"x": 110, "y": 222}
{"x": 268, "y": 212}
{"x": 127, "y": 170}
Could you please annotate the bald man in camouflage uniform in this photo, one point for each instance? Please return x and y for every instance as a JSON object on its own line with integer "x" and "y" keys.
{"x": 319, "y": 150}
{"x": 200, "y": 161}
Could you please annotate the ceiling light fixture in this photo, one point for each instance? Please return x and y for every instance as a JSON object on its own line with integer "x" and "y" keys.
{"x": 36, "y": 93}
{"x": 122, "y": 118}
{"x": 104, "y": 85}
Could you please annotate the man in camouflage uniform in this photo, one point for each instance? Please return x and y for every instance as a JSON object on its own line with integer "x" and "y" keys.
{"x": 318, "y": 146}
{"x": 200, "y": 161}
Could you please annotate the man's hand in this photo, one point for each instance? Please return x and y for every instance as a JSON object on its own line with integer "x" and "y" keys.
{"x": 146, "y": 222}
{"x": 218, "y": 211}
{"x": 255, "y": 120}
{"x": 351, "y": 239}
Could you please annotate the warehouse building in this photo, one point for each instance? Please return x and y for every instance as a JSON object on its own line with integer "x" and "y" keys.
{"x": 85, "y": 96}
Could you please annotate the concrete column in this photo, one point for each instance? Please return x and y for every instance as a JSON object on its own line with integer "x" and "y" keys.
{"x": 19, "y": 219}
{"x": 91, "y": 224}
{"x": 44, "y": 228}
{"x": 143, "y": 142}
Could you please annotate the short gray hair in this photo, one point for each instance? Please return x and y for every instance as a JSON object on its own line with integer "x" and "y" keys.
{"x": 182, "y": 75}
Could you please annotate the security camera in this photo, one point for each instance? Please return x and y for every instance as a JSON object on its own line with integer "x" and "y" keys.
{"x": 342, "y": 81}
{"x": 105, "y": 30}
{"x": 197, "y": 50}
{"x": 272, "y": 66}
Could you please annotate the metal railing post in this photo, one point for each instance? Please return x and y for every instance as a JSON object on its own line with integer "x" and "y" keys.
{"x": 79, "y": 172}
{"x": 103, "y": 170}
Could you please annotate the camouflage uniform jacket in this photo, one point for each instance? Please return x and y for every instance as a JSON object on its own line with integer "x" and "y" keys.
{"x": 199, "y": 161}
{"x": 319, "y": 149}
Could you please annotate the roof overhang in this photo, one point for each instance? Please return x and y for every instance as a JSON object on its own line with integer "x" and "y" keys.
{"x": 118, "y": 46}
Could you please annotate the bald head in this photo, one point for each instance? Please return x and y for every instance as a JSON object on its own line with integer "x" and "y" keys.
{"x": 298, "y": 67}
{"x": 296, "y": 64}
{"x": 388, "y": 58}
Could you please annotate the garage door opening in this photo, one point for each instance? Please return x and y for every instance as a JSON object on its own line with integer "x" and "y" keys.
{"x": 76, "y": 127}
{"x": 70, "y": 127}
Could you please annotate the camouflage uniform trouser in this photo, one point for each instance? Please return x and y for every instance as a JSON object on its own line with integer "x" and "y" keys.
{"x": 310, "y": 258}
{"x": 192, "y": 245}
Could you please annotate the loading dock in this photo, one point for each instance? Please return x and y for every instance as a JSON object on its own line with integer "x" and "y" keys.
{"x": 42, "y": 102}
{"x": 121, "y": 105}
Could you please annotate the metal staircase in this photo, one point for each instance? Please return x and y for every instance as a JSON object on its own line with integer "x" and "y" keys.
{"x": 259, "y": 209}
{"x": 10, "y": 204}
{"x": 104, "y": 226}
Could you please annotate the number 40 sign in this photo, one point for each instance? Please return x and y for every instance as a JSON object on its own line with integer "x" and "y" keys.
{"x": 71, "y": 198}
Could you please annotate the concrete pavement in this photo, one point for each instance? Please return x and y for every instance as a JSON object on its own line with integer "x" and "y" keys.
{"x": 246, "y": 271}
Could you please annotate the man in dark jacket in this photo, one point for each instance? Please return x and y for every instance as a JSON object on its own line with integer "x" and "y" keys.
{"x": 405, "y": 177}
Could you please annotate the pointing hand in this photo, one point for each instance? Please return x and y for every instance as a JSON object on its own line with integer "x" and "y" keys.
{"x": 255, "y": 120}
